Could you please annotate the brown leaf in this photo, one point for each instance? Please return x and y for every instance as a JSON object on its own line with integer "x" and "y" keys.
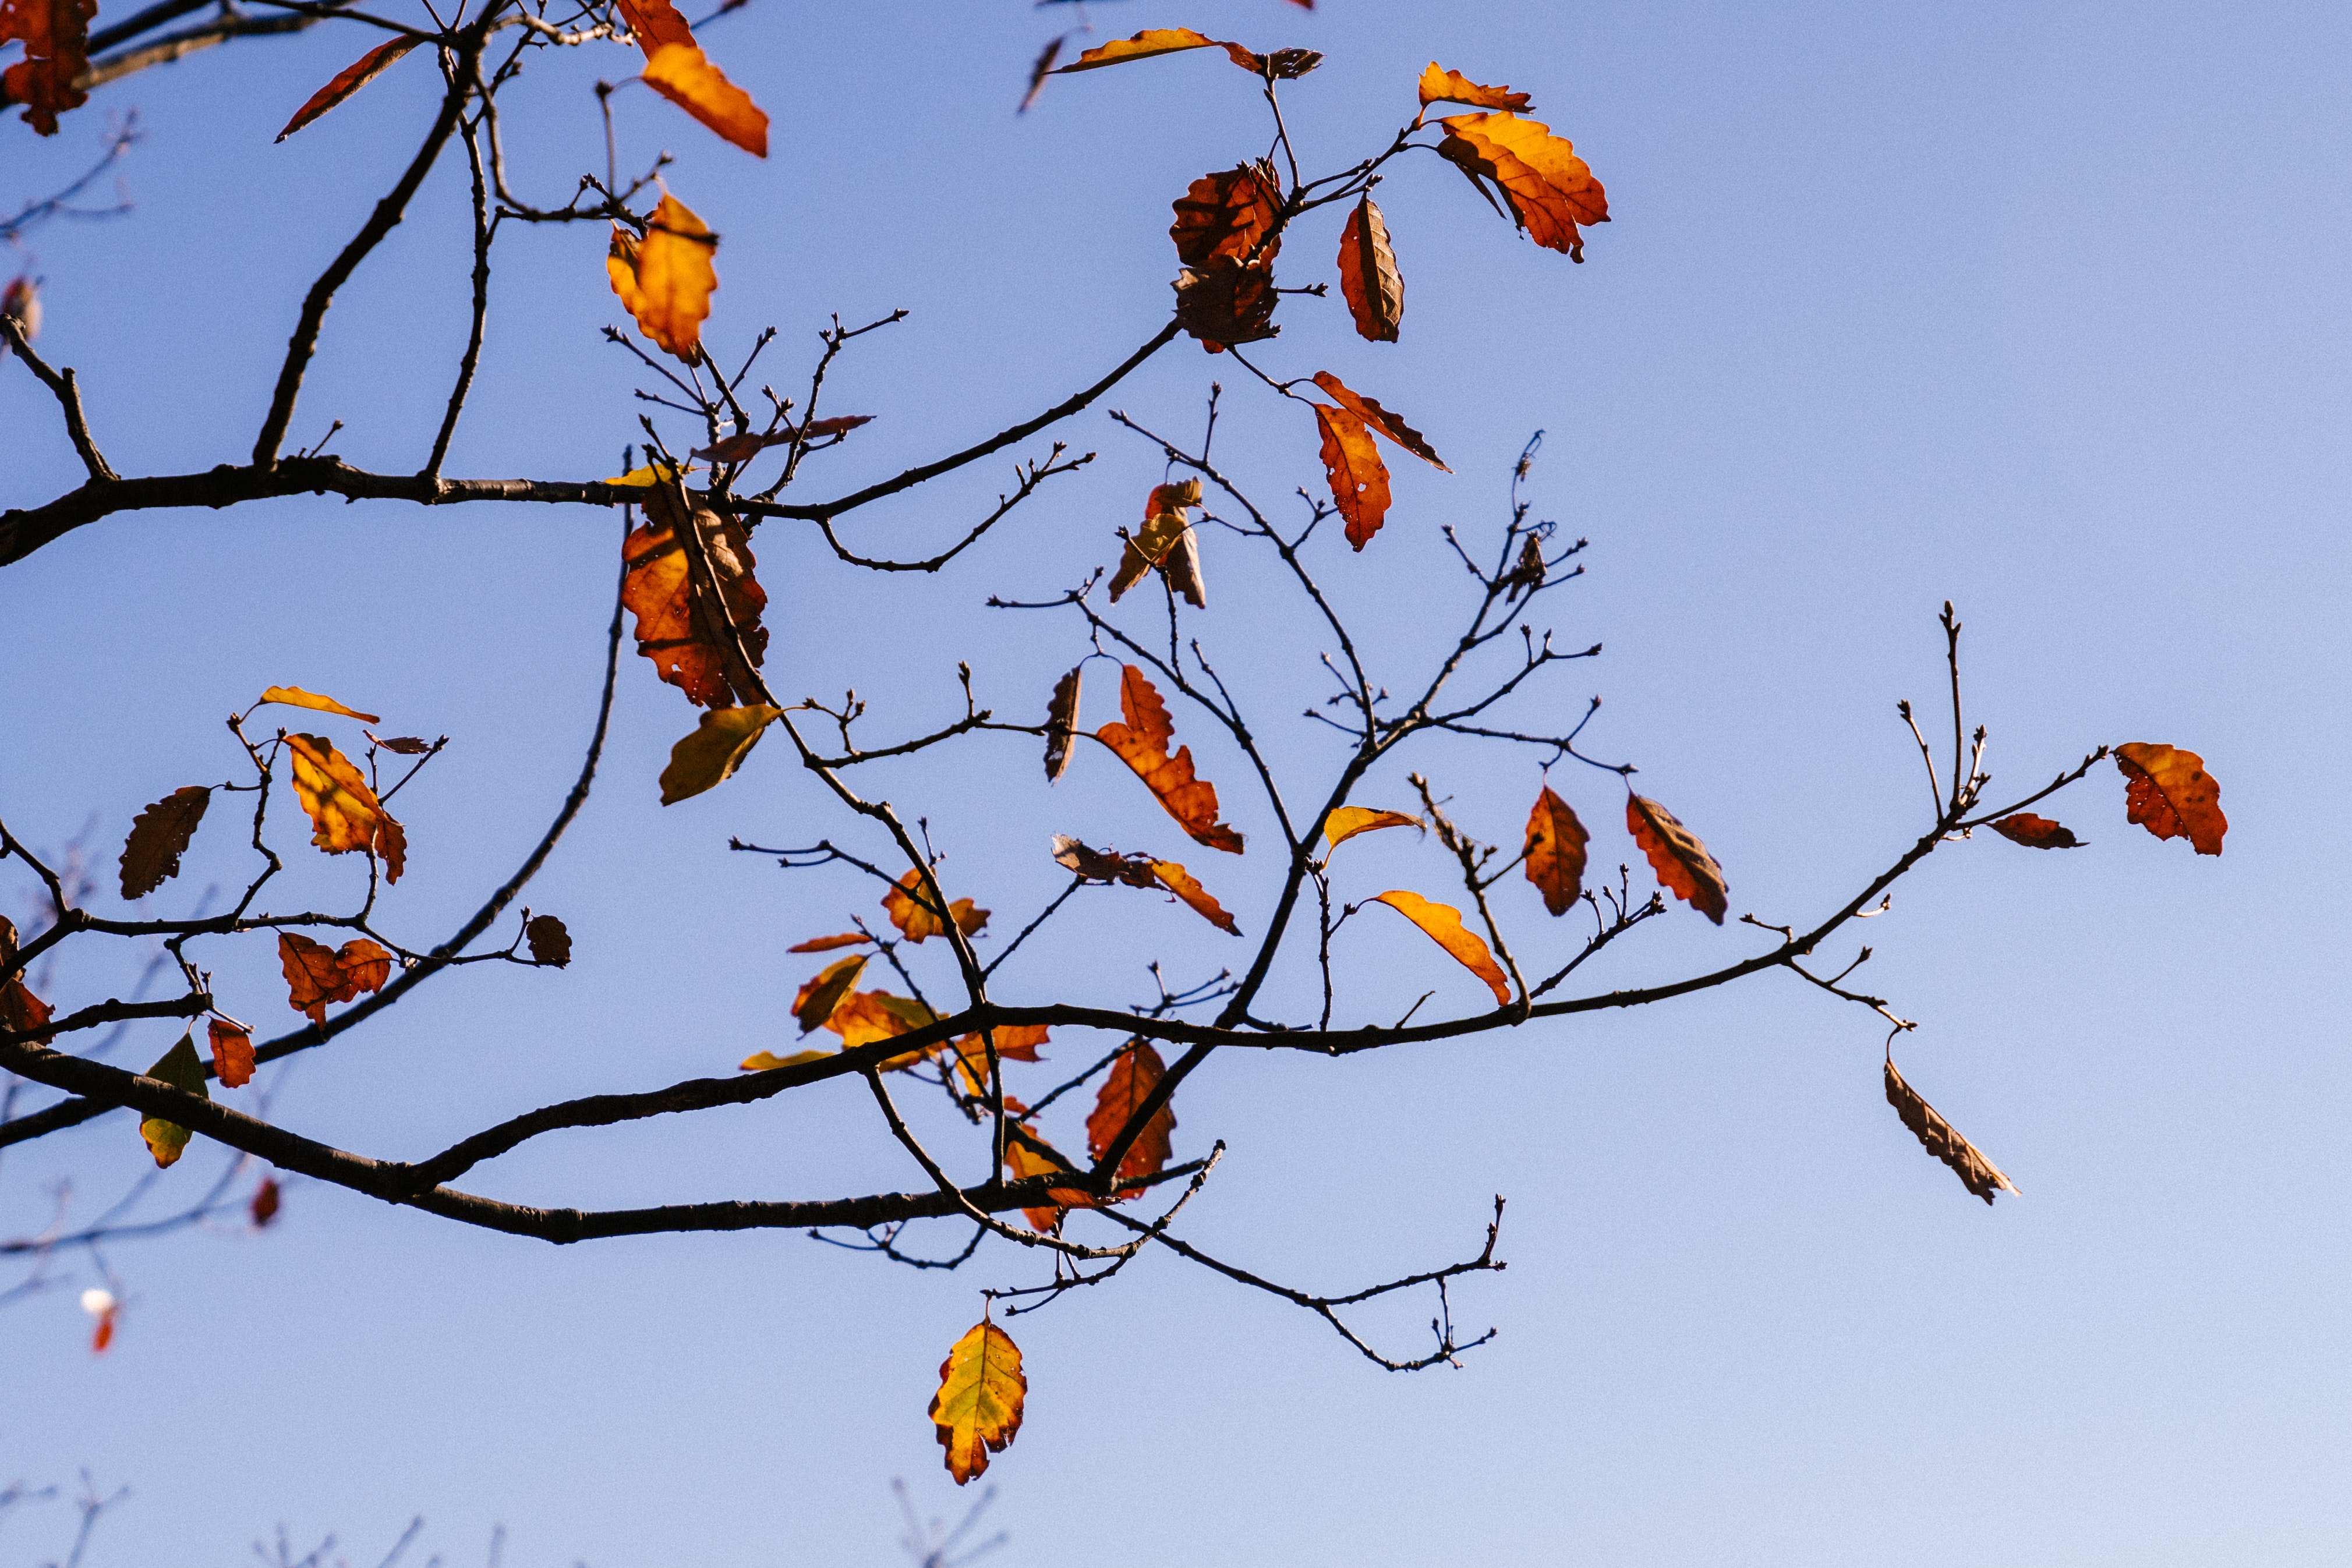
{"x": 2036, "y": 832}
{"x": 1554, "y": 851}
{"x": 22, "y": 1012}
{"x": 1360, "y": 480}
{"x": 365, "y": 965}
{"x": 317, "y": 973}
{"x": 1182, "y": 567}
{"x": 343, "y": 809}
{"x": 1442, "y": 85}
{"x": 837, "y": 424}
{"x": 406, "y": 745}
{"x": 1232, "y": 213}
{"x": 159, "y": 836}
{"x": 1550, "y": 190}
{"x": 1141, "y": 742}
{"x": 1038, "y": 72}
{"x": 1154, "y": 41}
{"x": 1370, "y": 411}
{"x": 1176, "y": 880}
{"x": 666, "y": 279}
{"x": 231, "y": 1053}
{"x": 656, "y": 23}
{"x": 349, "y": 80}
{"x": 679, "y": 626}
{"x": 910, "y": 910}
{"x": 1941, "y": 1139}
{"x": 1442, "y": 923}
{"x": 21, "y": 301}
{"x": 827, "y": 944}
{"x": 1527, "y": 575}
{"x": 1682, "y": 864}
{"x": 683, "y": 73}
{"x": 265, "y": 1203}
{"x": 1132, "y": 1078}
{"x": 551, "y": 944}
{"x": 1369, "y": 275}
{"x": 816, "y": 1001}
{"x": 1289, "y": 65}
{"x": 977, "y": 1410}
{"x": 2171, "y": 795}
{"x": 1224, "y": 301}
{"x": 1061, "y": 724}
{"x": 1097, "y": 865}
{"x": 56, "y": 35}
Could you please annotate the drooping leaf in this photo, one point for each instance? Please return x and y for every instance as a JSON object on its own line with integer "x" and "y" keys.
{"x": 1360, "y": 480}
{"x": 1153, "y": 41}
{"x": 1380, "y": 419}
{"x": 317, "y": 973}
{"x": 680, "y": 627}
{"x": 721, "y": 740}
{"x": 656, "y": 23}
{"x": 1141, "y": 742}
{"x": 909, "y": 907}
{"x": 1554, "y": 851}
{"x": 1182, "y": 567}
{"x": 295, "y": 696}
{"x": 1061, "y": 724}
{"x": 817, "y": 999}
{"x": 2036, "y": 832}
{"x": 1346, "y": 821}
{"x": 1130, "y": 1082}
{"x": 683, "y": 73}
{"x": 349, "y": 80}
{"x": 761, "y": 1061}
{"x": 231, "y": 1053}
{"x": 977, "y": 1410}
{"x": 1230, "y": 212}
{"x": 343, "y": 809}
{"x": 1369, "y": 275}
{"x": 1099, "y": 865}
{"x": 1682, "y": 864}
{"x": 180, "y": 1068}
{"x": 21, "y": 1012}
{"x": 1224, "y": 301}
{"x": 1442, "y": 923}
{"x": 1181, "y": 883}
{"x": 159, "y": 836}
{"x": 666, "y": 279}
{"x": 1440, "y": 86}
{"x": 827, "y": 944}
{"x": 1165, "y": 541}
{"x": 1038, "y": 71}
{"x": 1941, "y": 1139}
{"x": 56, "y": 35}
{"x": 2171, "y": 795}
{"x": 1550, "y": 190}
{"x": 549, "y": 943}
{"x": 265, "y": 1203}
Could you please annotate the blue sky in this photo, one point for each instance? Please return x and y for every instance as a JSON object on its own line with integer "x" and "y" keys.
{"x": 2036, "y": 307}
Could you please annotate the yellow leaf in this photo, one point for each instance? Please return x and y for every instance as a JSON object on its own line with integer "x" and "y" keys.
{"x": 1439, "y": 85}
{"x": 666, "y": 279}
{"x": 180, "y": 1068}
{"x": 295, "y": 696}
{"x": 818, "y": 999}
{"x": 343, "y": 810}
{"x": 978, "y": 1408}
{"x": 683, "y": 75}
{"x": 1349, "y": 820}
{"x": 651, "y": 473}
{"x": 704, "y": 759}
{"x": 1442, "y": 923}
{"x": 1154, "y": 41}
{"x": 761, "y": 1061}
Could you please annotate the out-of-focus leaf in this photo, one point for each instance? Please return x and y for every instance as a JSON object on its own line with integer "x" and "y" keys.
{"x": 1040, "y": 70}
{"x": 1550, "y": 190}
{"x": 703, "y": 760}
{"x": 817, "y": 999}
{"x": 761, "y": 1061}
{"x": 1154, "y": 41}
{"x": 1181, "y": 883}
{"x": 1230, "y": 212}
{"x": 295, "y": 696}
{"x": 1442, "y": 923}
{"x": 265, "y": 1203}
{"x": 1683, "y": 864}
{"x": 21, "y": 1012}
{"x": 21, "y": 300}
{"x": 180, "y": 1068}
{"x": 827, "y": 944}
{"x": 231, "y": 1053}
{"x": 1346, "y": 821}
{"x": 1440, "y": 86}
{"x": 1061, "y": 724}
{"x": 343, "y": 809}
{"x": 2171, "y": 795}
{"x": 349, "y": 80}
{"x": 1369, "y": 275}
{"x": 977, "y": 1410}
{"x": 1225, "y": 300}
{"x": 56, "y": 35}
{"x": 159, "y": 836}
{"x": 1370, "y": 411}
{"x": 1141, "y": 742}
{"x": 1360, "y": 480}
{"x": 1554, "y": 851}
{"x": 549, "y": 943}
{"x": 1132, "y": 1078}
{"x": 656, "y": 23}
{"x": 1099, "y": 866}
{"x": 679, "y": 627}
{"x": 908, "y": 906}
{"x": 683, "y": 73}
{"x": 1941, "y": 1139}
{"x": 2036, "y": 832}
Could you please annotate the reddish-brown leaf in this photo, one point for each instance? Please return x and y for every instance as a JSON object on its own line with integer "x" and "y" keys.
{"x": 21, "y": 302}
{"x": 317, "y": 973}
{"x": 1682, "y": 864}
{"x": 1360, "y": 480}
{"x": 349, "y": 80}
{"x": 1439, "y": 85}
{"x": 910, "y": 910}
{"x": 1181, "y": 883}
{"x": 679, "y": 627}
{"x": 159, "y": 836}
{"x": 1442, "y": 923}
{"x": 654, "y": 23}
{"x": 1941, "y": 1139}
{"x": 22, "y": 1012}
{"x": 1370, "y": 411}
{"x": 265, "y": 1203}
{"x": 1141, "y": 742}
{"x": 1061, "y": 724}
{"x": 827, "y": 944}
{"x": 1132, "y": 1078}
{"x": 2171, "y": 795}
{"x": 1225, "y": 300}
{"x": 365, "y": 965}
{"x": 56, "y": 35}
{"x": 1099, "y": 866}
{"x": 1554, "y": 851}
{"x": 1230, "y": 212}
{"x": 1369, "y": 275}
{"x": 1550, "y": 190}
{"x": 549, "y": 943}
{"x": 231, "y": 1053}
{"x": 683, "y": 73}
{"x": 2036, "y": 832}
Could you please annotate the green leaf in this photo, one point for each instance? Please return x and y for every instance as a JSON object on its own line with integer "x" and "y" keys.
{"x": 182, "y": 1069}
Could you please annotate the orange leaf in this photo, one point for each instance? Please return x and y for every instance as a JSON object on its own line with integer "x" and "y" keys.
{"x": 1442, "y": 85}
{"x": 1940, "y": 1138}
{"x": 1022, "y": 1162}
{"x": 656, "y": 23}
{"x": 1015, "y": 1042}
{"x": 1230, "y": 212}
{"x": 621, "y": 266}
{"x": 2171, "y": 795}
{"x": 365, "y": 965}
{"x": 1550, "y": 190}
{"x": 2036, "y": 832}
{"x": 1141, "y": 742}
{"x": 1369, "y": 275}
{"x": 1346, "y": 821}
{"x": 313, "y": 979}
{"x": 295, "y": 696}
{"x": 1176, "y": 880}
{"x": 343, "y": 809}
{"x": 827, "y": 944}
{"x": 1151, "y": 42}
{"x": 977, "y": 1410}
{"x": 683, "y": 73}
{"x": 1442, "y": 923}
{"x": 1165, "y": 541}
{"x": 56, "y": 35}
{"x": 1061, "y": 724}
{"x": 1225, "y": 300}
{"x": 264, "y": 1203}
{"x": 678, "y": 628}
{"x": 669, "y": 278}
{"x": 21, "y": 1012}
{"x": 1132, "y": 1078}
{"x": 549, "y": 943}
{"x": 231, "y": 1053}
{"x": 159, "y": 836}
{"x": 1370, "y": 411}
{"x": 349, "y": 80}
{"x": 1360, "y": 480}
{"x": 1682, "y": 864}
{"x": 103, "y": 1335}
{"x": 816, "y": 1001}
{"x": 1554, "y": 851}
{"x": 909, "y": 910}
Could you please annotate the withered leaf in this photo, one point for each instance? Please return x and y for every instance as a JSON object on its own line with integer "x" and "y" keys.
{"x": 816, "y": 1001}
{"x": 2036, "y": 832}
{"x": 977, "y": 1410}
{"x": 909, "y": 909}
{"x": 21, "y": 302}
{"x": 180, "y": 1068}
{"x": 1181, "y": 883}
{"x": 1440, "y": 86}
{"x": 2171, "y": 795}
{"x": 1682, "y": 864}
{"x": 1941, "y": 1139}
{"x": 679, "y": 627}
{"x": 666, "y": 279}
{"x": 1154, "y": 41}
{"x": 1346, "y": 821}
{"x": 21, "y": 1012}
{"x": 1022, "y": 1162}
{"x": 654, "y": 23}
{"x": 1132, "y": 1078}
{"x": 827, "y": 944}
{"x": 349, "y": 80}
{"x": 317, "y": 973}
{"x": 1554, "y": 851}
{"x": 405, "y": 745}
{"x": 56, "y": 35}
{"x": 265, "y": 1203}
{"x": 1550, "y": 190}
{"x": 1224, "y": 301}
{"x": 343, "y": 809}
{"x": 231, "y": 1053}
{"x": 683, "y": 73}
{"x": 1442, "y": 923}
{"x": 1289, "y": 65}
{"x": 295, "y": 696}
{"x": 365, "y": 965}
{"x": 1369, "y": 275}
{"x": 1231, "y": 213}
{"x": 1141, "y": 742}
{"x": 1061, "y": 724}
{"x": 1360, "y": 480}
{"x": 1097, "y": 865}
{"x": 708, "y": 757}
{"x": 549, "y": 943}
{"x": 1037, "y": 72}
{"x": 159, "y": 836}
{"x": 1528, "y": 574}
{"x": 1166, "y": 542}
{"x": 1370, "y": 411}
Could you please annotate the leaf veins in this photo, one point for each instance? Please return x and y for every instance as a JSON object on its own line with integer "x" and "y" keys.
{"x": 1369, "y": 275}
{"x": 977, "y": 1410}
{"x": 1554, "y": 851}
{"x": 159, "y": 836}
{"x": 1682, "y": 864}
{"x": 1941, "y": 1139}
{"x": 2171, "y": 795}
{"x": 1141, "y": 742}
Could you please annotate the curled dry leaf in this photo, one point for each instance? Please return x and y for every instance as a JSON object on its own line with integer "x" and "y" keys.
{"x": 159, "y": 836}
{"x": 1061, "y": 724}
{"x": 180, "y": 1068}
{"x": 343, "y": 810}
{"x": 1165, "y": 541}
{"x": 1233, "y": 212}
{"x": 405, "y": 745}
{"x": 683, "y": 73}
{"x": 1099, "y": 866}
{"x": 817, "y": 999}
{"x": 2036, "y": 832}
{"x": 705, "y": 759}
{"x": 1176, "y": 880}
{"x": 1132, "y": 1078}
{"x": 1225, "y": 300}
{"x": 1346, "y": 821}
{"x": 349, "y": 80}
{"x": 1380, "y": 419}
{"x": 231, "y": 1053}
{"x": 2171, "y": 795}
{"x": 977, "y": 1410}
{"x": 1287, "y": 65}
{"x": 656, "y": 23}
{"x": 1941, "y": 1139}
{"x": 1040, "y": 70}
{"x": 1442, "y": 923}
{"x": 1439, "y": 85}
{"x": 1153, "y": 41}
{"x": 1369, "y": 275}
{"x": 56, "y": 35}
{"x": 827, "y": 944}
{"x": 1527, "y": 575}
{"x": 1682, "y": 864}
{"x": 1554, "y": 851}
{"x": 265, "y": 1203}
{"x": 295, "y": 696}
{"x": 909, "y": 909}
{"x": 317, "y": 973}
{"x": 1360, "y": 480}
{"x": 21, "y": 1012}
{"x": 666, "y": 279}
{"x": 1141, "y": 742}
{"x": 549, "y": 943}
{"x": 679, "y": 627}
{"x": 1549, "y": 189}
{"x": 21, "y": 302}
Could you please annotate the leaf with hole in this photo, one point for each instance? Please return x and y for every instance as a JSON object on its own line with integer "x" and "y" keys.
{"x": 2171, "y": 795}
{"x": 1369, "y": 278}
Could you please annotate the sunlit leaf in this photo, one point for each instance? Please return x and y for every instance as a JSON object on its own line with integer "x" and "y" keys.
{"x": 1133, "y": 1077}
{"x": 1442, "y": 923}
{"x": 1440, "y": 86}
{"x": 1554, "y": 851}
{"x": 1682, "y": 866}
{"x": 317, "y": 973}
{"x": 817, "y": 999}
{"x": 549, "y": 943}
{"x": 2171, "y": 795}
{"x": 159, "y": 836}
{"x": 909, "y": 907}
{"x": 21, "y": 301}
{"x": 21, "y": 1012}
{"x": 1153, "y": 41}
{"x": 349, "y": 80}
{"x": 678, "y": 625}
{"x": 180, "y": 1068}
{"x": 1369, "y": 275}
{"x": 683, "y": 73}
{"x": 295, "y": 696}
{"x": 1141, "y": 742}
{"x": 1165, "y": 541}
{"x": 977, "y": 1410}
{"x": 1370, "y": 411}
{"x": 1181, "y": 883}
{"x": 761, "y": 1061}
{"x": 343, "y": 810}
{"x": 1230, "y": 212}
{"x": 231, "y": 1053}
{"x": 1550, "y": 190}
{"x": 1061, "y": 724}
{"x": 1099, "y": 866}
{"x": 265, "y": 1203}
{"x": 1022, "y": 1162}
{"x": 1940, "y": 1138}
{"x": 56, "y": 35}
{"x": 827, "y": 944}
{"x": 2036, "y": 832}
{"x": 651, "y": 474}
{"x": 1225, "y": 300}
{"x": 656, "y": 23}
{"x": 666, "y": 278}
{"x": 1346, "y": 821}
{"x": 708, "y": 757}
{"x": 1360, "y": 480}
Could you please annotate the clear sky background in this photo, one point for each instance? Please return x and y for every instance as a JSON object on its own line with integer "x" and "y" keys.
{"x": 2040, "y": 307}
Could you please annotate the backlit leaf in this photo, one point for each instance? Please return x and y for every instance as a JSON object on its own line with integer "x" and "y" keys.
{"x": 1224, "y": 301}
{"x": 1061, "y": 724}
{"x": 2036, "y": 832}
{"x": 21, "y": 1012}
{"x": 1554, "y": 851}
{"x": 549, "y": 943}
{"x": 656, "y": 23}
{"x": 1682, "y": 864}
{"x": 1165, "y": 541}
{"x": 679, "y": 627}
{"x": 1346, "y": 821}
{"x": 295, "y": 696}
{"x": 1151, "y": 42}
{"x": 56, "y": 35}
{"x": 317, "y": 973}
{"x": 231, "y": 1053}
{"x": 666, "y": 278}
{"x": 683, "y": 73}
{"x": 707, "y": 758}
{"x": 761, "y": 1061}
{"x": 827, "y": 944}
{"x": 1370, "y": 411}
{"x": 365, "y": 965}
{"x": 349, "y": 80}
{"x": 1369, "y": 275}
{"x": 1141, "y": 742}
{"x": 1176, "y": 880}
{"x": 21, "y": 301}
{"x": 1442, "y": 923}
{"x": 1550, "y": 190}
{"x": 265, "y": 1203}
{"x": 1940, "y": 1138}
{"x": 1230, "y": 212}
{"x": 818, "y": 999}
{"x": 1440, "y": 86}
{"x": 977, "y": 1410}
{"x": 651, "y": 474}
{"x": 909, "y": 907}
{"x": 343, "y": 809}
{"x": 1132, "y": 1078}
{"x": 2171, "y": 795}
{"x": 1022, "y": 1162}
{"x": 1360, "y": 480}
{"x": 1099, "y": 866}
{"x": 180, "y": 1068}
{"x": 865, "y": 1017}
{"x": 159, "y": 836}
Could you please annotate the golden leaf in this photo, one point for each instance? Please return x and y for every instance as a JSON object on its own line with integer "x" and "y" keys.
{"x": 827, "y": 944}
{"x": 1442, "y": 923}
{"x": 1133, "y": 1076}
{"x": 1360, "y": 480}
{"x": 683, "y": 75}
{"x": 817, "y": 999}
{"x": 1554, "y": 851}
{"x": 1683, "y": 864}
{"x": 1061, "y": 724}
{"x": 706, "y": 758}
{"x": 349, "y": 80}
{"x": 652, "y": 474}
{"x": 977, "y": 1410}
{"x": 1440, "y": 86}
{"x": 2171, "y": 795}
{"x": 666, "y": 279}
{"x": 1369, "y": 275}
{"x": 295, "y": 696}
{"x": 656, "y": 23}
{"x": 1154, "y": 41}
{"x": 1176, "y": 880}
{"x": 1346, "y": 821}
{"x": 1550, "y": 190}
{"x": 159, "y": 836}
{"x": 908, "y": 908}
{"x": 1141, "y": 742}
{"x": 1941, "y": 1139}
{"x": 343, "y": 809}
{"x": 1370, "y": 411}
{"x": 180, "y": 1068}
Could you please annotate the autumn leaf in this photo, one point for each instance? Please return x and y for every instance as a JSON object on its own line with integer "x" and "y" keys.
{"x": 1380, "y": 419}
{"x": 666, "y": 279}
{"x": 1554, "y": 851}
{"x": 1346, "y": 821}
{"x": 1941, "y": 1139}
{"x": 2036, "y": 832}
{"x": 1550, "y": 190}
{"x": 1099, "y": 866}
{"x": 977, "y": 1410}
{"x": 819, "y": 998}
{"x": 180, "y": 1068}
{"x": 707, "y": 758}
{"x": 763, "y": 1060}
{"x": 1442, "y": 923}
{"x": 343, "y": 810}
{"x": 231, "y": 1053}
{"x": 1225, "y": 300}
{"x": 1181, "y": 883}
{"x": 2171, "y": 795}
{"x": 265, "y": 1203}
{"x": 549, "y": 943}
{"x": 1360, "y": 480}
{"x": 21, "y": 302}
{"x": 56, "y": 35}
{"x": 827, "y": 944}
{"x": 1040, "y": 70}
{"x": 865, "y": 1017}
{"x": 404, "y": 745}
{"x": 651, "y": 473}
{"x": 679, "y": 626}
{"x": 656, "y": 23}
{"x": 1132, "y": 1078}
{"x": 317, "y": 973}
{"x": 1682, "y": 864}
{"x": 21, "y": 1012}
{"x": 1230, "y": 212}
{"x": 349, "y": 79}
{"x": 1022, "y": 1162}
{"x": 1166, "y": 542}
{"x": 1369, "y": 275}
{"x": 683, "y": 73}
{"x": 365, "y": 965}
{"x": 1015, "y": 1042}
{"x": 1061, "y": 724}
{"x": 1440, "y": 86}
{"x": 1153, "y": 41}
{"x": 909, "y": 910}
{"x": 159, "y": 836}
{"x": 295, "y": 696}
{"x": 1141, "y": 742}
